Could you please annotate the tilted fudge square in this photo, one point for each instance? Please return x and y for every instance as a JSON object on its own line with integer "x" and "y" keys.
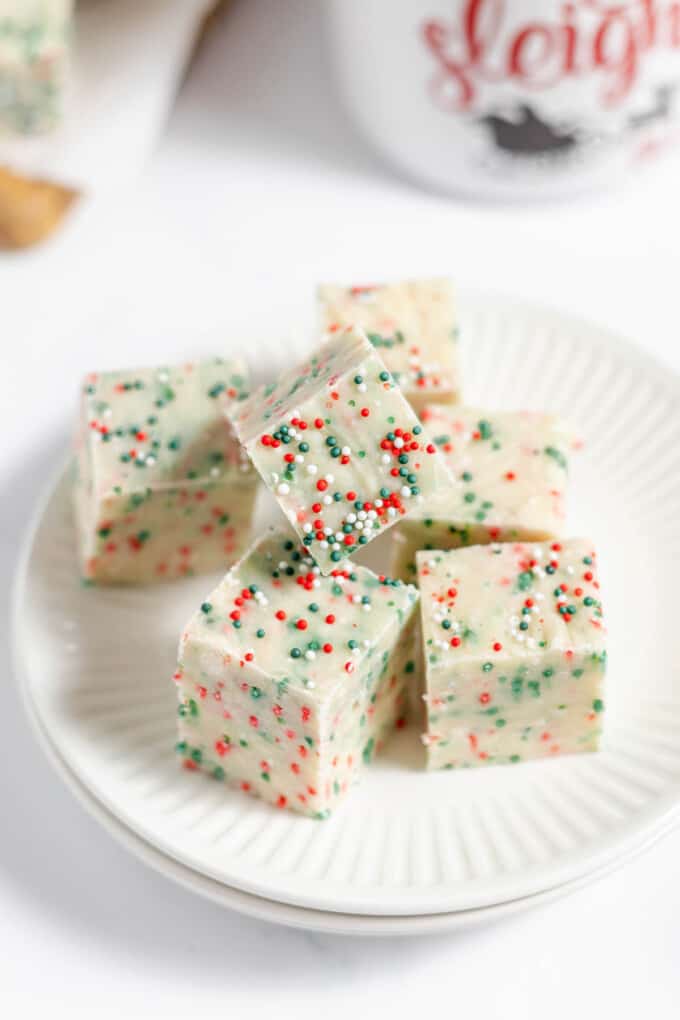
{"x": 288, "y": 681}
{"x": 514, "y": 652}
{"x": 412, "y": 325}
{"x": 162, "y": 487}
{"x": 34, "y": 51}
{"x": 340, "y": 447}
{"x": 510, "y": 471}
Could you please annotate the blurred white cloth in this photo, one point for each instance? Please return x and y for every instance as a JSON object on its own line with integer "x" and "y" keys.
{"x": 129, "y": 59}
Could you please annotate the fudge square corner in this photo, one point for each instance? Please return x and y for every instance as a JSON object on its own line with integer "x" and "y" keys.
{"x": 514, "y": 649}
{"x": 162, "y": 488}
{"x": 289, "y": 681}
{"x": 339, "y": 446}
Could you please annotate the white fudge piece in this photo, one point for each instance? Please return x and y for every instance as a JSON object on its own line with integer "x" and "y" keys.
{"x": 288, "y": 680}
{"x": 162, "y": 489}
{"x": 340, "y": 448}
{"x": 510, "y": 471}
{"x": 412, "y": 325}
{"x": 34, "y": 49}
{"x": 514, "y": 650}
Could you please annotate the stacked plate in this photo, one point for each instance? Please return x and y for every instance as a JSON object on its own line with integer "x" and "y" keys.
{"x": 409, "y": 851}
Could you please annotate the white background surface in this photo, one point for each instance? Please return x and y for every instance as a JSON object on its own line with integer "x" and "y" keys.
{"x": 260, "y": 188}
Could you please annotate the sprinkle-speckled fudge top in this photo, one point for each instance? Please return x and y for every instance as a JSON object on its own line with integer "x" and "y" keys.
{"x": 512, "y": 600}
{"x": 412, "y": 324}
{"x": 510, "y": 467}
{"x": 340, "y": 447}
{"x": 276, "y": 612}
{"x": 154, "y": 426}
{"x": 279, "y": 400}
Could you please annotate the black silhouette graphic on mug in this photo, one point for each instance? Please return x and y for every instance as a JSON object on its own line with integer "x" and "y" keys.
{"x": 660, "y": 110}
{"x": 528, "y": 135}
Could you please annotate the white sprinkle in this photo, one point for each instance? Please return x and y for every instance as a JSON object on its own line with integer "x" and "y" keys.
{"x": 312, "y": 469}
{"x": 328, "y": 531}
{"x": 327, "y": 500}
{"x": 283, "y": 489}
{"x": 323, "y": 543}
{"x": 351, "y": 518}
{"x": 299, "y": 459}
{"x": 405, "y": 491}
{"x": 386, "y": 458}
{"x": 330, "y": 479}
{"x": 309, "y": 654}
{"x": 307, "y": 528}
{"x": 398, "y": 442}
{"x": 346, "y": 450}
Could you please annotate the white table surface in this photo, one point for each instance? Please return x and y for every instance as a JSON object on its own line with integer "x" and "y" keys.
{"x": 260, "y": 188}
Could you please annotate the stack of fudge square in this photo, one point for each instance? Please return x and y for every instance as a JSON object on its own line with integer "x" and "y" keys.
{"x": 300, "y": 663}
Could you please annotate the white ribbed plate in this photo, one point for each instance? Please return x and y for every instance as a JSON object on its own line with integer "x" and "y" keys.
{"x": 97, "y": 665}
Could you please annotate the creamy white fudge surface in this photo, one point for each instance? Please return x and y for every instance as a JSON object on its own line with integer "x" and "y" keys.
{"x": 340, "y": 448}
{"x": 289, "y": 681}
{"x": 510, "y": 474}
{"x": 34, "y": 51}
{"x": 514, "y": 652}
{"x": 412, "y": 324}
{"x": 162, "y": 487}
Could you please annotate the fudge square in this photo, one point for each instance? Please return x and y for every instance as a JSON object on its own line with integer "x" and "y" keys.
{"x": 510, "y": 471}
{"x": 289, "y": 681}
{"x": 35, "y": 36}
{"x": 162, "y": 487}
{"x": 412, "y": 324}
{"x": 514, "y": 652}
{"x": 340, "y": 447}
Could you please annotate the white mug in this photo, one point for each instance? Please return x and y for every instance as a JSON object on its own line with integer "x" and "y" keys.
{"x": 511, "y": 98}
